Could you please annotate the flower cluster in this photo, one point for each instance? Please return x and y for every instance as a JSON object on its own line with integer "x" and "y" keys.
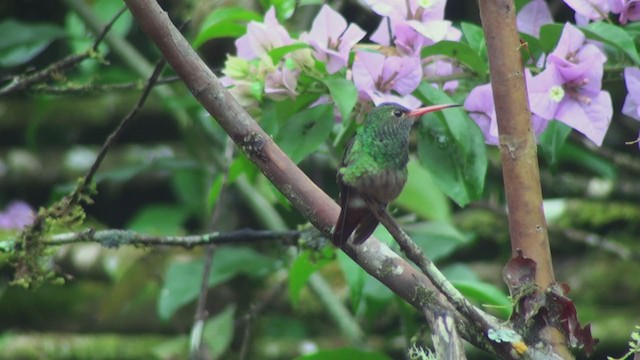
{"x": 569, "y": 89}
{"x": 628, "y": 10}
{"x": 387, "y": 73}
{"x": 567, "y": 85}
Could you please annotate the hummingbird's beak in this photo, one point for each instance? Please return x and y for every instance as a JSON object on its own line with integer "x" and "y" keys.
{"x": 427, "y": 109}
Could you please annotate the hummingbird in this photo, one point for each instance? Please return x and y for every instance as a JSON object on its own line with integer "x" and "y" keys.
{"x": 374, "y": 168}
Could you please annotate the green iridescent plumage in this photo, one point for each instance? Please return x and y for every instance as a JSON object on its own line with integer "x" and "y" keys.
{"x": 374, "y": 168}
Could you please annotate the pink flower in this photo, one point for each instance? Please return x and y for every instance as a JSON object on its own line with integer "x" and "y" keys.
{"x": 481, "y": 108}
{"x": 532, "y": 16}
{"x": 570, "y": 88}
{"x": 16, "y": 216}
{"x": 262, "y": 37}
{"x": 332, "y": 39}
{"x": 376, "y": 75}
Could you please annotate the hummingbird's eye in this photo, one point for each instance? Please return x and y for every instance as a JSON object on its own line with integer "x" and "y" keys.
{"x": 398, "y": 113}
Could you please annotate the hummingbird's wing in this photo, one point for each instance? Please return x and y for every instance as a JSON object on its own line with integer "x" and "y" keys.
{"x": 366, "y": 227}
{"x": 355, "y": 215}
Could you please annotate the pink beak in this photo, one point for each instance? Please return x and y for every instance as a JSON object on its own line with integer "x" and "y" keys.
{"x": 427, "y": 109}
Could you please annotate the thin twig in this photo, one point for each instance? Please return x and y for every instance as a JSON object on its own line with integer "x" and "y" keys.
{"x": 97, "y": 88}
{"x": 118, "y": 131}
{"x": 446, "y": 341}
{"x": 117, "y": 238}
{"x": 599, "y": 242}
{"x": 201, "y": 313}
{"x": 415, "y": 254}
{"x": 22, "y": 82}
{"x": 253, "y": 313}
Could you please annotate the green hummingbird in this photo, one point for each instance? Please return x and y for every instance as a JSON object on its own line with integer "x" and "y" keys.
{"x": 374, "y": 168}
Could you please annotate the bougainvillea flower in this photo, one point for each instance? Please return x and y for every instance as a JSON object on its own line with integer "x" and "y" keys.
{"x": 631, "y": 105}
{"x": 425, "y": 16}
{"x": 532, "y": 16}
{"x": 438, "y": 67}
{"x": 16, "y": 216}
{"x": 573, "y": 53}
{"x": 570, "y": 88}
{"x": 262, "y": 37}
{"x": 376, "y": 75}
{"x": 590, "y": 9}
{"x": 332, "y": 39}
{"x": 630, "y": 11}
{"x": 282, "y": 83}
{"x": 421, "y": 10}
{"x": 481, "y": 108}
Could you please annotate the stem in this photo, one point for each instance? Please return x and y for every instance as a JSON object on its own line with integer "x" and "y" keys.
{"x": 527, "y": 224}
{"x": 195, "y": 352}
{"x": 339, "y": 313}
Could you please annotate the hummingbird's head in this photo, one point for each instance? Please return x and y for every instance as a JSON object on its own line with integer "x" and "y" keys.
{"x": 399, "y": 112}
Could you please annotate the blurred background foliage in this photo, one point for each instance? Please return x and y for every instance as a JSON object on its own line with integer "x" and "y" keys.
{"x": 267, "y": 300}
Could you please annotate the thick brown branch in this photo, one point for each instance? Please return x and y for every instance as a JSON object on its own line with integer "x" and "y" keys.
{"x": 527, "y": 224}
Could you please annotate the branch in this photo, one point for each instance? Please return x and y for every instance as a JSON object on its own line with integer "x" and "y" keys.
{"x": 527, "y": 224}
{"x": 195, "y": 352}
{"x": 480, "y": 322}
{"x": 98, "y": 88}
{"x": 22, "y": 82}
{"x": 446, "y": 341}
{"x": 117, "y": 238}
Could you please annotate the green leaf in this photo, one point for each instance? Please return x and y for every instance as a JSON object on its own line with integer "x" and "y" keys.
{"x": 421, "y": 196}
{"x": 239, "y": 166}
{"x": 356, "y": 278}
{"x": 485, "y": 294}
{"x": 344, "y": 354}
{"x": 159, "y": 220}
{"x": 284, "y": 8}
{"x": 303, "y": 133}
{"x": 105, "y": 10}
{"x": 301, "y": 269}
{"x": 579, "y": 156}
{"x": 182, "y": 279}
{"x": 553, "y": 139}
{"x": 218, "y": 332}
{"x": 466, "y": 280}
{"x": 549, "y": 36}
{"x": 278, "y": 53}
{"x": 475, "y": 38}
{"x": 189, "y": 183}
{"x": 633, "y": 29}
{"x": 459, "y": 51}
{"x": 451, "y": 147}
{"x": 344, "y": 94}
{"x": 21, "y": 42}
{"x": 437, "y": 239}
{"x": 225, "y": 22}
{"x": 613, "y": 35}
